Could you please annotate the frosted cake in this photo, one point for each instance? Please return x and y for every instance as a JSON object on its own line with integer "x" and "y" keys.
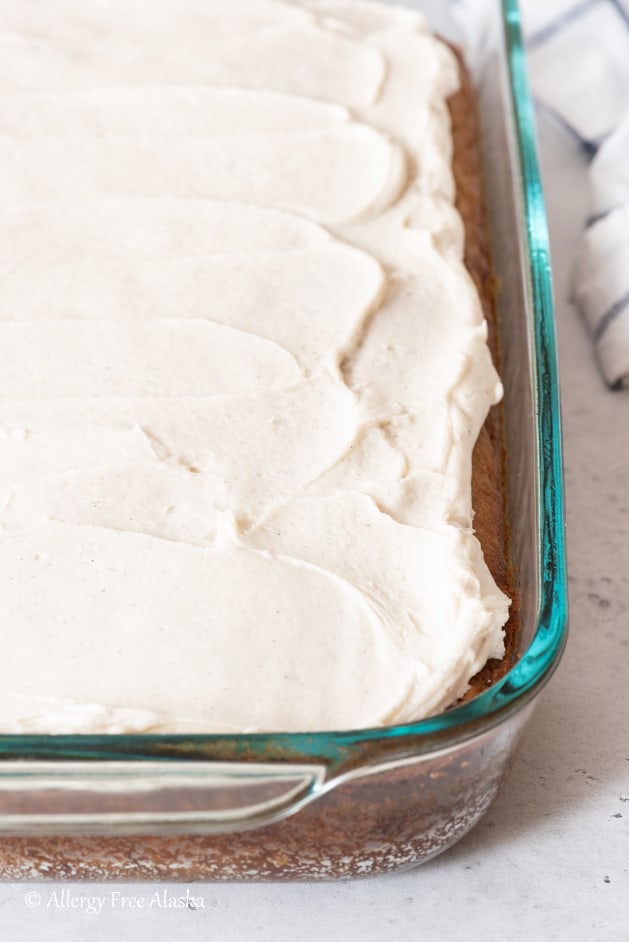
{"x": 244, "y": 370}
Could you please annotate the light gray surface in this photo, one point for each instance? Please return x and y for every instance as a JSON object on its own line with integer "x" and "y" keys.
{"x": 551, "y": 858}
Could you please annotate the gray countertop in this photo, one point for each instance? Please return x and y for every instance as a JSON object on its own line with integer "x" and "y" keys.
{"x": 551, "y": 858}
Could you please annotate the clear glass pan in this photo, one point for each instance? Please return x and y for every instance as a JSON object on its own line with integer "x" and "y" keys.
{"x": 343, "y": 803}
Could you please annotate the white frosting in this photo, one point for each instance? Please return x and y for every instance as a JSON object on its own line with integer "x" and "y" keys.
{"x": 244, "y": 369}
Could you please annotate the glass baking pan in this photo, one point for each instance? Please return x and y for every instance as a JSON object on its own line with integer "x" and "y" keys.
{"x": 339, "y": 804}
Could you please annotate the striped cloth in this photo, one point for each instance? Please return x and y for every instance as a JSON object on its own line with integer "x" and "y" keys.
{"x": 578, "y": 53}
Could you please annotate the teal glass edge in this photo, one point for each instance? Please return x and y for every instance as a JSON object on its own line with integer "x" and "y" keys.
{"x": 536, "y": 665}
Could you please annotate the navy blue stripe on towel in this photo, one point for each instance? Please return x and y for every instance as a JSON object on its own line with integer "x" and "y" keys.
{"x": 547, "y": 32}
{"x": 589, "y": 146}
{"x": 610, "y": 315}
{"x": 621, "y": 9}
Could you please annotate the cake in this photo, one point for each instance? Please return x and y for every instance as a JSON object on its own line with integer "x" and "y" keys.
{"x": 245, "y": 369}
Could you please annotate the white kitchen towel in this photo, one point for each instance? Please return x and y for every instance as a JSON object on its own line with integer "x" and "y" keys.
{"x": 578, "y": 55}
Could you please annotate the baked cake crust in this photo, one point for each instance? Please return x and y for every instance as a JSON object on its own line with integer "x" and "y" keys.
{"x": 488, "y": 471}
